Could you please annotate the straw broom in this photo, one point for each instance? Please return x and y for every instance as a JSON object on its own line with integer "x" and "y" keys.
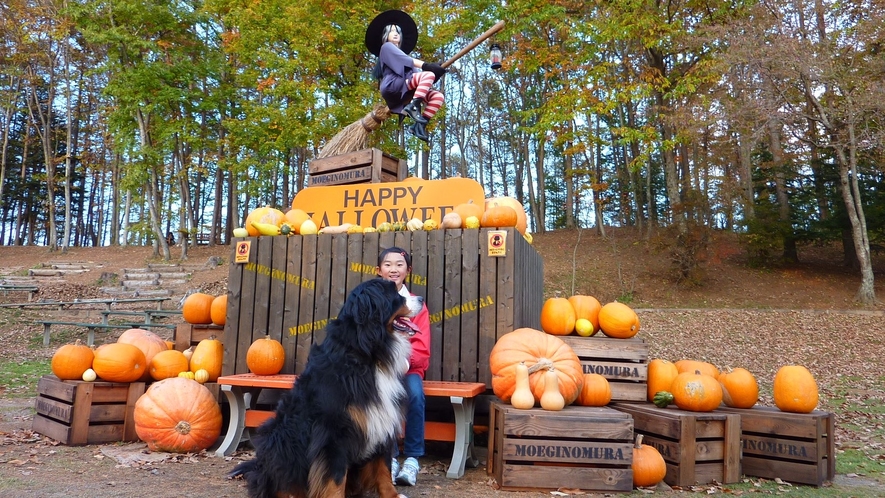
{"x": 355, "y": 136}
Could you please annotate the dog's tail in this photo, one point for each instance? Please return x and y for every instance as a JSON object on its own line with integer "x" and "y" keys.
{"x": 257, "y": 481}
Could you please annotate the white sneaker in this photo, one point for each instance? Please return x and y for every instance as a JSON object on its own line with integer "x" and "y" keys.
{"x": 394, "y": 469}
{"x": 408, "y": 474}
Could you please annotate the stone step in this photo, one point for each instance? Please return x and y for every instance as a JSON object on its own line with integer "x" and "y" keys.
{"x": 137, "y": 270}
{"x": 172, "y": 281}
{"x": 164, "y": 267}
{"x": 173, "y": 275}
{"x": 153, "y": 292}
{"x": 118, "y": 292}
{"x": 140, "y": 283}
{"x": 141, "y": 276}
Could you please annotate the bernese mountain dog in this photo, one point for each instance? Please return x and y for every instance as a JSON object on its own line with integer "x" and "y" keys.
{"x": 334, "y": 432}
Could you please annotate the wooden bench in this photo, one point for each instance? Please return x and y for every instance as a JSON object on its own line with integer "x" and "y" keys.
{"x": 107, "y": 303}
{"x": 30, "y": 289}
{"x": 92, "y": 327}
{"x": 148, "y": 315}
{"x": 244, "y": 416}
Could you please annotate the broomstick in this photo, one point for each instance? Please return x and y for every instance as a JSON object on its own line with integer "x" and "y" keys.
{"x": 355, "y": 136}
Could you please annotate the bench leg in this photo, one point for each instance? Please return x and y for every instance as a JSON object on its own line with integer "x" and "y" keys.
{"x": 90, "y": 338}
{"x": 237, "y": 402}
{"x": 46, "y": 334}
{"x": 463, "y": 452}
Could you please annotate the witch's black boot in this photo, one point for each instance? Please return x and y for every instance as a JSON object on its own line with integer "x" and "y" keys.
{"x": 417, "y": 129}
{"x": 413, "y": 110}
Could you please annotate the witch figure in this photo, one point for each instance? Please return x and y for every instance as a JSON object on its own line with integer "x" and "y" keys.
{"x": 406, "y": 83}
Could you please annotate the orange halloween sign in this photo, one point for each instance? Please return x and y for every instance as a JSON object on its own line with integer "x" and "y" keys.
{"x": 370, "y": 204}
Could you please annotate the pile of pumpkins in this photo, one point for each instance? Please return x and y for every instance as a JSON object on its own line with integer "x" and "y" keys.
{"x": 200, "y": 308}
{"x": 585, "y": 316}
{"x": 496, "y": 212}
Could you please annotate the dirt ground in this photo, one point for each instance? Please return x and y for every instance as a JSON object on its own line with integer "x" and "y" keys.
{"x": 757, "y": 318}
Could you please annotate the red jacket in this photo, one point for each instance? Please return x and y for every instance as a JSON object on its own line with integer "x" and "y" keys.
{"x": 420, "y": 358}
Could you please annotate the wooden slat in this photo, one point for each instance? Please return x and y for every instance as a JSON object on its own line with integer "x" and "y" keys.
{"x": 505, "y": 292}
{"x": 354, "y": 253}
{"x": 323, "y": 308}
{"x": 80, "y": 419}
{"x": 574, "y": 422}
{"x": 249, "y": 299}
{"x": 235, "y": 305}
{"x": 304, "y": 338}
{"x": 278, "y": 288}
{"x": 468, "y": 362}
{"x": 572, "y": 451}
{"x": 451, "y": 336}
{"x": 435, "y": 270}
{"x": 264, "y": 284}
{"x": 291, "y": 305}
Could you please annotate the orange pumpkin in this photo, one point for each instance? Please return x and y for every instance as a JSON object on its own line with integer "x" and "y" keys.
{"x": 218, "y": 310}
{"x": 167, "y": 364}
{"x": 586, "y": 307}
{"x": 618, "y": 320}
{"x": 558, "y": 316}
{"x": 539, "y": 351}
{"x": 692, "y": 366}
{"x": 468, "y": 209}
{"x": 265, "y": 356}
{"x": 119, "y": 362}
{"x": 649, "y": 467}
{"x": 71, "y": 360}
{"x": 265, "y": 214}
{"x": 170, "y": 344}
{"x": 197, "y": 308}
{"x": 521, "y": 218}
{"x": 148, "y": 342}
{"x": 208, "y": 355}
{"x": 696, "y": 392}
{"x": 739, "y": 388}
{"x": 296, "y": 217}
{"x": 661, "y": 374}
{"x": 177, "y": 415}
{"x": 498, "y": 216}
{"x": 795, "y": 389}
{"x": 596, "y": 391}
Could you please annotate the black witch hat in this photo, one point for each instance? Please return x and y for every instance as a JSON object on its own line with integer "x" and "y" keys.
{"x": 386, "y": 18}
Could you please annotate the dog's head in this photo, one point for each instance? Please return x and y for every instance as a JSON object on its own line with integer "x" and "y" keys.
{"x": 415, "y": 303}
{"x": 378, "y": 311}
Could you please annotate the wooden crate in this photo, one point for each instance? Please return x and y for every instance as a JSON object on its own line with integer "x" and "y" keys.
{"x": 291, "y": 286}
{"x": 77, "y": 413}
{"x": 699, "y": 448}
{"x": 362, "y": 166}
{"x": 578, "y": 448}
{"x": 189, "y": 334}
{"x": 796, "y": 447}
{"x": 624, "y": 362}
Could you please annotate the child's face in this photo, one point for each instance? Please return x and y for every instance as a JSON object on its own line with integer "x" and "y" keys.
{"x": 394, "y": 268}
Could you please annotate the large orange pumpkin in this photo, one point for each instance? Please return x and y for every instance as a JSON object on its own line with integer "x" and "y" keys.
{"x": 265, "y": 356}
{"x": 119, "y": 362}
{"x": 618, "y": 320}
{"x": 265, "y": 214}
{"x": 71, "y": 360}
{"x": 208, "y": 355}
{"x": 692, "y": 366}
{"x": 178, "y": 415}
{"x": 218, "y": 310}
{"x": 795, "y": 389}
{"x": 649, "y": 467}
{"x": 596, "y": 391}
{"x": 148, "y": 342}
{"x": 498, "y": 216}
{"x": 739, "y": 388}
{"x": 167, "y": 364}
{"x": 468, "y": 209}
{"x": 558, "y": 316}
{"x": 696, "y": 392}
{"x": 521, "y": 218}
{"x": 197, "y": 308}
{"x": 296, "y": 217}
{"x": 539, "y": 351}
{"x": 586, "y": 307}
{"x": 661, "y": 374}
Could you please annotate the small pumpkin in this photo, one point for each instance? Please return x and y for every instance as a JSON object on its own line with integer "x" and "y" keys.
{"x": 694, "y": 392}
{"x": 208, "y": 355}
{"x": 649, "y": 467}
{"x": 148, "y": 342}
{"x": 468, "y": 209}
{"x": 795, "y": 389}
{"x": 218, "y": 310}
{"x": 201, "y": 376}
{"x": 295, "y": 217}
{"x": 70, "y": 361}
{"x": 187, "y": 375}
{"x": 265, "y": 356}
{"x": 538, "y": 351}
{"x": 197, "y": 308}
{"x": 89, "y": 375}
{"x": 661, "y": 374}
{"x": 596, "y": 391}
{"x": 522, "y": 397}
{"x": 704, "y": 367}
{"x": 586, "y": 307}
{"x": 558, "y": 316}
{"x": 739, "y": 388}
{"x": 551, "y": 398}
{"x": 521, "y": 218}
{"x": 498, "y": 216}
{"x": 167, "y": 364}
{"x": 119, "y": 362}
{"x": 264, "y": 214}
{"x": 618, "y": 320}
{"x": 177, "y": 415}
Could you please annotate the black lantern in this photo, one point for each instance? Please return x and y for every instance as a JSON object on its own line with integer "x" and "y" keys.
{"x": 495, "y": 56}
